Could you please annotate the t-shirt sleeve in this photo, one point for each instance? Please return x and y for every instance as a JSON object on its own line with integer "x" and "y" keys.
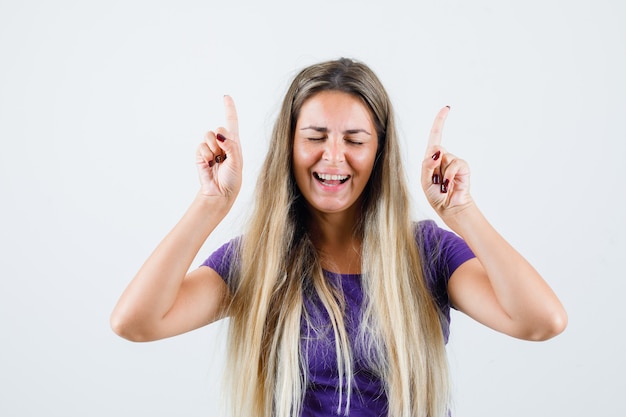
{"x": 442, "y": 253}
{"x": 221, "y": 260}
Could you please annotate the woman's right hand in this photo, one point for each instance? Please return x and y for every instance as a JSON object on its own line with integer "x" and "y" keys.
{"x": 218, "y": 157}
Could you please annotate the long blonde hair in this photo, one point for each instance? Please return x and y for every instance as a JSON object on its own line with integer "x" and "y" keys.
{"x": 276, "y": 264}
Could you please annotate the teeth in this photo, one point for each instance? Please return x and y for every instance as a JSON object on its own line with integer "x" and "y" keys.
{"x": 329, "y": 177}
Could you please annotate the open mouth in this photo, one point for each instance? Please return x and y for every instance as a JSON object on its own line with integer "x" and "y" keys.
{"x": 331, "y": 179}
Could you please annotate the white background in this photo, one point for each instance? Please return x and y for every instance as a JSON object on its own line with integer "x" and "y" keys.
{"x": 102, "y": 105}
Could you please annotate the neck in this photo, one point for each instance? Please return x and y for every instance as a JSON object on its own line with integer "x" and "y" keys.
{"x": 336, "y": 241}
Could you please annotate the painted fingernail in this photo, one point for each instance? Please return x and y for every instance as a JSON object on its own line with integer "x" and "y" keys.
{"x": 444, "y": 186}
{"x": 448, "y": 106}
{"x": 435, "y": 178}
{"x": 436, "y": 155}
{"x": 211, "y": 163}
{"x": 218, "y": 159}
{"x": 221, "y": 137}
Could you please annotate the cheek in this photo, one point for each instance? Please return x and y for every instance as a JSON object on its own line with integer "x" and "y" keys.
{"x": 299, "y": 159}
{"x": 365, "y": 162}
{"x": 304, "y": 157}
{"x": 301, "y": 165}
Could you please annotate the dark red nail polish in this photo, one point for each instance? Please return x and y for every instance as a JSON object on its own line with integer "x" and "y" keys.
{"x": 444, "y": 186}
{"x": 221, "y": 137}
{"x": 211, "y": 163}
{"x": 435, "y": 178}
{"x": 436, "y": 155}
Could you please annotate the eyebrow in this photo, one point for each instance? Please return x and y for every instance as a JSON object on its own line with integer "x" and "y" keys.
{"x": 325, "y": 130}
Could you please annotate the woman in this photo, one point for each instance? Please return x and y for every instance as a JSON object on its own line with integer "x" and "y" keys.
{"x": 338, "y": 302}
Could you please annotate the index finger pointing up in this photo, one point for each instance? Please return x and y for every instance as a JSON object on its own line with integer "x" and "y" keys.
{"x": 232, "y": 123}
{"x": 434, "y": 140}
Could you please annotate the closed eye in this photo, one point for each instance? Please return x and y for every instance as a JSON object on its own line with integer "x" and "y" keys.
{"x": 354, "y": 141}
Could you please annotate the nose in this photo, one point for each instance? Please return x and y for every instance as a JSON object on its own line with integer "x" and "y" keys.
{"x": 334, "y": 150}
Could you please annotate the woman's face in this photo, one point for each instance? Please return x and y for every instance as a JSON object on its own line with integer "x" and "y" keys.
{"x": 335, "y": 145}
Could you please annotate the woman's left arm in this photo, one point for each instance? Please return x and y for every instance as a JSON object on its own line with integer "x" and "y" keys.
{"x": 498, "y": 288}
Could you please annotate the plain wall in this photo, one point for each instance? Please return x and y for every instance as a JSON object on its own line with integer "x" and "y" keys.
{"x": 102, "y": 105}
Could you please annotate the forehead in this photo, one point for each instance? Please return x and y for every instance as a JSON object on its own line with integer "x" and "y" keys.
{"x": 335, "y": 108}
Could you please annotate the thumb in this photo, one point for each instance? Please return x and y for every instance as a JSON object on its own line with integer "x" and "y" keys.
{"x": 230, "y": 147}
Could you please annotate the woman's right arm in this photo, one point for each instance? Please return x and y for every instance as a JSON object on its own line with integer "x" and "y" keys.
{"x": 163, "y": 299}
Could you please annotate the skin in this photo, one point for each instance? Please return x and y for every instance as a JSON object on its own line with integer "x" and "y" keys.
{"x": 498, "y": 288}
{"x": 334, "y": 135}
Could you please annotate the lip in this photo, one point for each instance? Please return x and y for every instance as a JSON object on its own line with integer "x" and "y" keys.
{"x": 331, "y": 181}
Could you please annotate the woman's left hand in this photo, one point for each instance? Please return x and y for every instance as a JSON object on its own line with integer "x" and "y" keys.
{"x": 445, "y": 178}
{"x": 498, "y": 288}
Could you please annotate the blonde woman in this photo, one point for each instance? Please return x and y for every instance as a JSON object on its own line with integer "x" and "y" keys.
{"x": 338, "y": 301}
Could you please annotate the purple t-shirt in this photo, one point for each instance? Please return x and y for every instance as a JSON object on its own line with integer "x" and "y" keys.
{"x": 442, "y": 253}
